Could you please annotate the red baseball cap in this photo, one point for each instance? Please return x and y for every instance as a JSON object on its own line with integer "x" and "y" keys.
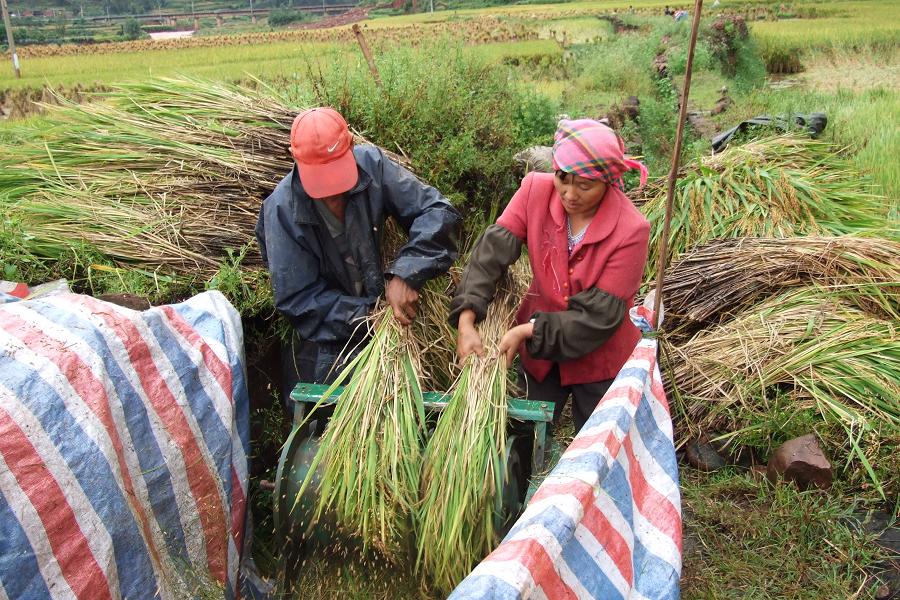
{"x": 322, "y": 145}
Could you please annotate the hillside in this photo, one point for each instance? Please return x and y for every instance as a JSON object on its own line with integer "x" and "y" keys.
{"x": 122, "y": 7}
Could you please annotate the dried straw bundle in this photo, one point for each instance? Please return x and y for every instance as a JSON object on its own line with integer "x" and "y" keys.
{"x": 371, "y": 451}
{"x": 777, "y": 187}
{"x": 807, "y": 345}
{"x": 724, "y": 277}
{"x": 465, "y": 465}
{"x": 166, "y": 173}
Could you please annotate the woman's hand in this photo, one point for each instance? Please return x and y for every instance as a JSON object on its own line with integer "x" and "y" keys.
{"x": 512, "y": 339}
{"x": 468, "y": 342}
{"x": 467, "y": 339}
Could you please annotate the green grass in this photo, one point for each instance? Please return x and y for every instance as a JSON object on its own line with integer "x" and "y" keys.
{"x": 540, "y": 11}
{"x": 282, "y": 59}
{"x": 575, "y": 30}
{"x": 748, "y": 539}
{"x": 843, "y": 26}
{"x": 516, "y": 51}
{"x": 705, "y": 88}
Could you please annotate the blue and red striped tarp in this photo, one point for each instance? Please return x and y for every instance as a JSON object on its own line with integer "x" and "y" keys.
{"x": 606, "y": 522}
{"x": 123, "y": 448}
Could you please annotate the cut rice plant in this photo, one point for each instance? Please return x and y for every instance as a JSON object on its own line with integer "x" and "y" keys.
{"x": 165, "y": 174}
{"x": 371, "y": 451}
{"x": 778, "y": 187}
{"x": 721, "y": 279}
{"x": 804, "y": 352}
{"x": 465, "y": 461}
{"x": 440, "y": 368}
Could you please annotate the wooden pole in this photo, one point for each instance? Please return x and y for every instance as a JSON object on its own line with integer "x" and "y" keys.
{"x": 9, "y": 38}
{"x": 367, "y": 53}
{"x": 673, "y": 171}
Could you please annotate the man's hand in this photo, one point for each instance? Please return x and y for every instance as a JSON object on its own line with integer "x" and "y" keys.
{"x": 403, "y": 299}
{"x": 512, "y": 339}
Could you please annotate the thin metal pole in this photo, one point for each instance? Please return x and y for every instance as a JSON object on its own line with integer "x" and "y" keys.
{"x": 673, "y": 172}
{"x": 9, "y": 39}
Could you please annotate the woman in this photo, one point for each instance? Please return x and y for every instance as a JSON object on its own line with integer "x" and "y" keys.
{"x": 588, "y": 246}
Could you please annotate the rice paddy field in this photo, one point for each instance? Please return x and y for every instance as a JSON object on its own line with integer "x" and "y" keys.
{"x": 138, "y": 168}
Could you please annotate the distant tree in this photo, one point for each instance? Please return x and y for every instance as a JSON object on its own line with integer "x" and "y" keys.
{"x": 60, "y": 26}
{"x": 119, "y": 7}
{"x": 131, "y": 29}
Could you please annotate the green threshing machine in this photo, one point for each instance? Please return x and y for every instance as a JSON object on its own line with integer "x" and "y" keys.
{"x": 294, "y": 518}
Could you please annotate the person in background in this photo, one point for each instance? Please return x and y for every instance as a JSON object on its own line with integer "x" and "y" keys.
{"x": 587, "y": 245}
{"x": 319, "y": 233}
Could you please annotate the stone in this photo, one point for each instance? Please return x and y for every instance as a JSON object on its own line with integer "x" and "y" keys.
{"x": 741, "y": 456}
{"x": 701, "y": 455}
{"x": 802, "y": 461}
{"x": 132, "y": 301}
{"x": 632, "y": 107}
{"x": 536, "y": 158}
{"x": 661, "y": 66}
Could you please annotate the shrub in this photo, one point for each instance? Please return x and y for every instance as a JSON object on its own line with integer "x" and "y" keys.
{"x": 723, "y": 37}
{"x": 280, "y": 17}
{"x": 703, "y": 59}
{"x": 459, "y": 119}
{"x": 131, "y": 29}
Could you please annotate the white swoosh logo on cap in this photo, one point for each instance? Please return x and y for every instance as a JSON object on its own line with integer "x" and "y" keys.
{"x": 330, "y": 150}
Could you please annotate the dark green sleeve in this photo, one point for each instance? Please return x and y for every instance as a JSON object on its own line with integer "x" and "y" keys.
{"x": 592, "y": 318}
{"x": 494, "y": 252}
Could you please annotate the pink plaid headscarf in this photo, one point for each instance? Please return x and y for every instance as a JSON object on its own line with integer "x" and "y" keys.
{"x": 592, "y": 150}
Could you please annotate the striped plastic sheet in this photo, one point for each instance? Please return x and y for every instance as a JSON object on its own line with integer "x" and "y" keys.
{"x": 606, "y": 522}
{"x": 123, "y": 448}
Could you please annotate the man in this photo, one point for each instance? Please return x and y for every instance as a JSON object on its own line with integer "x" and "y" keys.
{"x": 320, "y": 235}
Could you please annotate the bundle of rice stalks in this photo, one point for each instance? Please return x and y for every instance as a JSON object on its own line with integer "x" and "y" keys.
{"x": 438, "y": 350}
{"x": 724, "y": 277}
{"x": 371, "y": 451}
{"x": 180, "y": 167}
{"x": 465, "y": 463}
{"x": 778, "y": 187}
{"x": 800, "y": 354}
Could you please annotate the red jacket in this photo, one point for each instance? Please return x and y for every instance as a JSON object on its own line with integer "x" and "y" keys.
{"x": 611, "y": 257}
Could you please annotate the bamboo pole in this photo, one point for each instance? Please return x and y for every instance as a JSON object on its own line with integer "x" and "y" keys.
{"x": 673, "y": 171}
{"x": 10, "y": 39}
{"x": 367, "y": 53}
